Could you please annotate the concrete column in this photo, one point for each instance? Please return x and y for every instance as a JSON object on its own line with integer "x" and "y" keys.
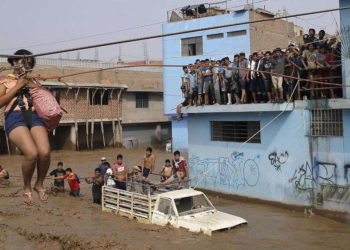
{"x": 345, "y": 28}
{"x": 158, "y": 132}
{"x": 73, "y": 137}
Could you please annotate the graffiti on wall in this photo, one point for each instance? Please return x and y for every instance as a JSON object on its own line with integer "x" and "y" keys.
{"x": 234, "y": 171}
{"x": 347, "y": 173}
{"x": 326, "y": 173}
{"x": 303, "y": 178}
{"x": 278, "y": 160}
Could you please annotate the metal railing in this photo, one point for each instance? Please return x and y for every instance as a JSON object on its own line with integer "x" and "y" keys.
{"x": 89, "y": 64}
{"x": 198, "y": 11}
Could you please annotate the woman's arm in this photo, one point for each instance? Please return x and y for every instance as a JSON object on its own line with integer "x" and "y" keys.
{"x": 5, "y": 98}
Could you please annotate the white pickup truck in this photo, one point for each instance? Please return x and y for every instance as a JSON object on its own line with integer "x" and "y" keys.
{"x": 184, "y": 208}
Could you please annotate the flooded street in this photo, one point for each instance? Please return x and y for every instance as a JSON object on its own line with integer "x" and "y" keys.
{"x": 75, "y": 223}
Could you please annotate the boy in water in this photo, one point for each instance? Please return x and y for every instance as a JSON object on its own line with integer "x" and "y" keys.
{"x": 73, "y": 182}
{"x": 148, "y": 163}
{"x": 97, "y": 183}
{"x": 167, "y": 171}
{"x": 59, "y": 171}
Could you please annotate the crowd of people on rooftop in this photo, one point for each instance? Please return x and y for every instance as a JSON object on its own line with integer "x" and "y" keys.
{"x": 265, "y": 76}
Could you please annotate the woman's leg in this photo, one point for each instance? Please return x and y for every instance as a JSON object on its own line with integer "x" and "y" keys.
{"x": 41, "y": 140}
{"x": 22, "y": 138}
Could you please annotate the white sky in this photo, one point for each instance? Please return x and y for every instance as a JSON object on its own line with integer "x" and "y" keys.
{"x": 32, "y": 22}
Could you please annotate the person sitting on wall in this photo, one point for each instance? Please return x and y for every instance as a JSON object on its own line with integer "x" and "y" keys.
{"x": 185, "y": 103}
{"x": 97, "y": 183}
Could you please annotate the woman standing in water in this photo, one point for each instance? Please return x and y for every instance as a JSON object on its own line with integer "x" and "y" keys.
{"x": 24, "y": 127}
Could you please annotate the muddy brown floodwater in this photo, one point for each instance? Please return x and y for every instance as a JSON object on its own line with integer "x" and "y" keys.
{"x": 75, "y": 223}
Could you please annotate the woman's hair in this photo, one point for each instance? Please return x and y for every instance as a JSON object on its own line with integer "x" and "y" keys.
{"x": 22, "y": 52}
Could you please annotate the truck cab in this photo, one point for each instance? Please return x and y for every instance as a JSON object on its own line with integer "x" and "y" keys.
{"x": 191, "y": 209}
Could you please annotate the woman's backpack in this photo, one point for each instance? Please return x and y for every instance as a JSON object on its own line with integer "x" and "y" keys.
{"x": 47, "y": 107}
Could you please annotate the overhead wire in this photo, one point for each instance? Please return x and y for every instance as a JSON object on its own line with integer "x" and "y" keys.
{"x": 174, "y": 33}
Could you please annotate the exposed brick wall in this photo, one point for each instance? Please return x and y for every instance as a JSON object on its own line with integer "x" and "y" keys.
{"x": 272, "y": 34}
{"x": 81, "y": 109}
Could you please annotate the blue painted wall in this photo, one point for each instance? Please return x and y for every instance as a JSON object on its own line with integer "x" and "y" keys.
{"x": 216, "y": 48}
{"x": 283, "y": 168}
{"x": 180, "y": 135}
{"x": 249, "y": 171}
{"x": 345, "y": 23}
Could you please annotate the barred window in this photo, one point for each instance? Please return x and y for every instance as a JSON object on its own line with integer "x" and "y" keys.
{"x": 327, "y": 122}
{"x": 235, "y": 131}
{"x": 142, "y": 100}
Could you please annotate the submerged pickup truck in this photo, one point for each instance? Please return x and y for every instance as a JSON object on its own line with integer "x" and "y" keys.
{"x": 183, "y": 208}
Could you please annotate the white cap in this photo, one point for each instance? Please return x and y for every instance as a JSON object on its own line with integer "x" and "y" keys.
{"x": 103, "y": 158}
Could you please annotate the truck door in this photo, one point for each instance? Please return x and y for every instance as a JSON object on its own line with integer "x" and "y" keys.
{"x": 165, "y": 213}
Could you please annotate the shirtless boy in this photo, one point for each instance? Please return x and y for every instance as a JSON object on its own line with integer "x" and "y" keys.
{"x": 167, "y": 171}
{"x": 148, "y": 162}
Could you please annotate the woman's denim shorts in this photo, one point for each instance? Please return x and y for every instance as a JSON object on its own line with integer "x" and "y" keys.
{"x": 15, "y": 119}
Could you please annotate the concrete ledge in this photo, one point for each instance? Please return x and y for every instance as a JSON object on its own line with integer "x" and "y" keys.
{"x": 339, "y": 103}
{"x": 259, "y": 107}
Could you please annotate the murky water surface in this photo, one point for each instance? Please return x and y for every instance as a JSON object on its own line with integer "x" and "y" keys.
{"x": 75, "y": 223}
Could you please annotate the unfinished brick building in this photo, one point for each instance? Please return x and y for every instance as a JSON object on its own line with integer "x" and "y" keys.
{"x": 109, "y": 108}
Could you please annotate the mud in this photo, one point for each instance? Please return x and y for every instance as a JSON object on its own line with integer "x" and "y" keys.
{"x": 75, "y": 223}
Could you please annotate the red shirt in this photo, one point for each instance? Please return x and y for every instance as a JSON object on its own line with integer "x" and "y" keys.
{"x": 73, "y": 184}
{"x": 179, "y": 166}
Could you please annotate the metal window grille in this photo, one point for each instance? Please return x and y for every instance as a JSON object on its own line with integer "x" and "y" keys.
{"x": 215, "y": 36}
{"x": 235, "y": 131}
{"x": 142, "y": 100}
{"x": 327, "y": 122}
{"x": 236, "y": 33}
{"x": 192, "y": 46}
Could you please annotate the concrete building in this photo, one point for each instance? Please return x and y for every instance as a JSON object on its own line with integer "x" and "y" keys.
{"x": 186, "y": 48}
{"x": 111, "y": 108}
{"x": 298, "y": 154}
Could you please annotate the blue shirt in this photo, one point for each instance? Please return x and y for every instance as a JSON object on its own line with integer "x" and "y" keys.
{"x": 192, "y": 78}
{"x": 297, "y": 60}
{"x": 206, "y": 69}
{"x": 102, "y": 168}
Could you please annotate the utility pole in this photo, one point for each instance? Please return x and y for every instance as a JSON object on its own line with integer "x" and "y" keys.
{"x": 119, "y": 53}
{"x": 145, "y": 52}
{"x": 96, "y": 54}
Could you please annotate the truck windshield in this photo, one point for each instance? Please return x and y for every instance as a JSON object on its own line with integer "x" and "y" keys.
{"x": 192, "y": 205}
